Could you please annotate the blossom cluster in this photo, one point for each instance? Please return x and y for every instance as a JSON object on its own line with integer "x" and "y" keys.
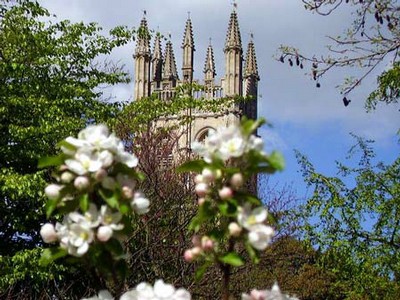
{"x": 96, "y": 183}
{"x": 144, "y": 291}
{"x": 216, "y": 184}
{"x": 273, "y": 294}
{"x": 226, "y": 143}
{"x": 77, "y": 230}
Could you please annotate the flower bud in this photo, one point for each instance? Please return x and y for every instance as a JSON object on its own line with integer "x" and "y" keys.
{"x": 201, "y": 201}
{"x": 196, "y": 251}
{"x": 208, "y": 175}
{"x": 104, "y": 233}
{"x": 188, "y": 255}
{"x": 48, "y": 233}
{"x": 196, "y": 240}
{"x": 234, "y": 229}
{"x": 52, "y": 191}
{"x": 201, "y": 189}
{"x": 127, "y": 192}
{"x": 237, "y": 180}
{"x": 218, "y": 174}
{"x": 199, "y": 179}
{"x": 67, "y": 177}
{"x": 81, "y": 183}
{"x": 140, "y": 203}
{"x": 100, "y": 174}
{"x": 225, "y": 193}
{"x": 207, "y": 243}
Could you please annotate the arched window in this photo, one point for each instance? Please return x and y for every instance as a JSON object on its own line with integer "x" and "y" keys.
{"x": 203, "y": 133}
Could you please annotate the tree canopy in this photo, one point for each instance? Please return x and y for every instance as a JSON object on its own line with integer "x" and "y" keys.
{"x": 355, "y": 220}
{"x": 371, "y": 43}
{"x": 50, "y": 79}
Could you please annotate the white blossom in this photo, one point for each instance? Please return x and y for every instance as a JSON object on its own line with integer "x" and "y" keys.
{"x": 76, "y": 238}
{"x": 273, "y": 294}
{"x": 91, "y": 218}
{"x": 48, "y": 233}
{"x": 160, "y": 291}
{"x": 103, "y": 295}
{"x": 52, "y": 191}
{"x": 259, "y": 235}
{"x": 140, "y": 204}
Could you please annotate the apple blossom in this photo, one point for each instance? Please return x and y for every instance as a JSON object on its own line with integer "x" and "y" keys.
{"x": 103, "y": 295}
{"x": 201, "y": 189}
{"x": 48, "y": 233}
{"x": 237, "y": 180}
{"x": 225, "y": 193}
{"x": 234, "y": 229}
{"x": 52, "y": 191}
{"x": 140, "y": 204}
{"x": 81, "y": 183}
{"x": 104, "y": 233}
{"x": 160, "y": 291}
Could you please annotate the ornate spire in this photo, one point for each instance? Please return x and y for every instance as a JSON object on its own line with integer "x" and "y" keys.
{"x": 143, "y": 38}
{"x": 251, "y": 61}
{"x": 157, "y": 59}
{"x": 209, "y": 66}
{"x": 169, "y": 68}
{"x": 188, "y": 35}
{"x": 233, "y": 39}
{"x": 188, "y": 52}
{"x": 157, "y": 52}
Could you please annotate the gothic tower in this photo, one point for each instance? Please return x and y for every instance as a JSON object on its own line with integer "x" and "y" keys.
{"x": 209, "y": 73}
{"x": 156, "y": 73}
{"x": 156, "y": 65}
{"x": 188, "y": 53}
{"x": 142, "y": 61}
{"x": 233, "y": 58}
{"x": 250, "y": 84}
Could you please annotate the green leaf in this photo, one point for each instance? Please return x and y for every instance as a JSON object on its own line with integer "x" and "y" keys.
{"x": 194, "y": 166}
{"x": 276, "y": 161}
{"x": 198, "y": 275}
{"x": 51, "y": 161}
{"x": 51, "y": 254}
{"x": 252, "y": 253}
{"x": 51, "y": 205}
{"x": 232, "y": 259}
{"x": 84, "y": 202}
{"x": 111, "y": 198}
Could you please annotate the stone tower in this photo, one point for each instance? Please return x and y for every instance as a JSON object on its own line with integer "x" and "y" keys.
{"x": 142, "y": 58}
{"x": 156, "y": 73}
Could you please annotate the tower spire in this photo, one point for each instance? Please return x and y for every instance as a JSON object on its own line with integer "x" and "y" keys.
{"x": 156, "y": 63}
{"x": 169, "y": 67}
{"x": 142, "y": 58}
{"x": 233, "y": 58}
{"x": 251, "y": 68}
{"x": 233, "y": 39}
{"x": 188, "y": 52}
{"x": 251, "y": 79}
{"x": 209, "y": 71}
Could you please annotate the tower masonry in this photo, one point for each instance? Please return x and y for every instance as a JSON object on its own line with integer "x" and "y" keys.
{"x": 156, "y": 73}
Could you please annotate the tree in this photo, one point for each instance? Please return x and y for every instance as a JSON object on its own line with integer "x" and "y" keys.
{"x": 372, "y": 40}
{"x": 50, "y": 74}
{"x": 355, "y": 220}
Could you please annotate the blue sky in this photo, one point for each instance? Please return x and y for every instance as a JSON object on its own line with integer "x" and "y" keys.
{"x": 306, "y": 118}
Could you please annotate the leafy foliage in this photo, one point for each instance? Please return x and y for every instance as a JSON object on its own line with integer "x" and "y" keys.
{"x": 358, "y": 222}
{"x": 49, "y": 88}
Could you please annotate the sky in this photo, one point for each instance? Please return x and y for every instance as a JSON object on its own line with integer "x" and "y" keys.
{"x": 303, "y": 117}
